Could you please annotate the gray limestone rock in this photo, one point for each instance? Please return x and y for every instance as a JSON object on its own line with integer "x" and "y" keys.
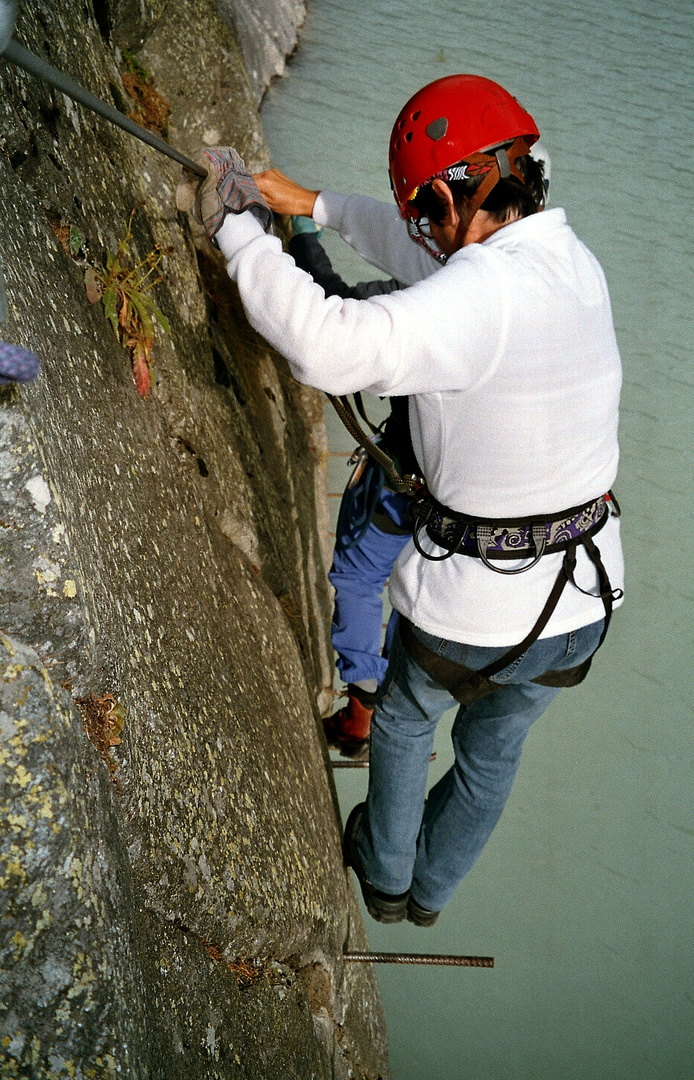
{"x": 128, "y": 23}
{"x": 164, "y": 560}
{"x": 268, "y": 32}
{"x": 70, "y": 979}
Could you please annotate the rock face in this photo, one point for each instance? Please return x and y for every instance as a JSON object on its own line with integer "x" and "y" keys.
{"x": 267, "y": 32}
{"x": 173, "y": 897}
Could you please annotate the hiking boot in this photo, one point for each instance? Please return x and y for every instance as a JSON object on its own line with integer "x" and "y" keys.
{"x": 383, "y": 907}
{"x": 419, "y": 915}
{"x": 348, "y": 729}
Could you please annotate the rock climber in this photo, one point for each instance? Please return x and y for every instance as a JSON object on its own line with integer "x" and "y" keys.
{"x": 504, "y": 342}
{"x": 374, "y": 522}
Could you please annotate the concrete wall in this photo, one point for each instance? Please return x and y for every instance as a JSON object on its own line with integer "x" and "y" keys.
{"x": 173, "y": 896}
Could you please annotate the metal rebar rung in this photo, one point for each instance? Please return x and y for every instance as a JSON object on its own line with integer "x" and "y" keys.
{"x": 40, "y": 69}
{"x": 419, "y": 958}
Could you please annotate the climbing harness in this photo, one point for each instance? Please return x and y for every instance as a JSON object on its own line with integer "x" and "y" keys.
{"x": 513, "y": 539}
{"x": 359, "y": 502}
{"x": 360, "y": 505}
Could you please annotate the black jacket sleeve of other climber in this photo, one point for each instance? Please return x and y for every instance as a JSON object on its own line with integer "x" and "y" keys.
{"x": 310, "y": 255}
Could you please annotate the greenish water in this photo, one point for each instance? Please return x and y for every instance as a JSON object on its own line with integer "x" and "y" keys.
{"x": 583, "y": 894}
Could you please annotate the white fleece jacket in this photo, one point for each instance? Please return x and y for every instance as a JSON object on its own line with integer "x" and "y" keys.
{"x": 509, "y": 356}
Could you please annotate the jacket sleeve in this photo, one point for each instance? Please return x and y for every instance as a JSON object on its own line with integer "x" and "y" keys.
{"x": 377, "y": 232}
{"x": 444, "y": 333}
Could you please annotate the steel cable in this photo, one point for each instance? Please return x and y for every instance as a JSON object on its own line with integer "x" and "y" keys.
{"x": 40, "y": 69}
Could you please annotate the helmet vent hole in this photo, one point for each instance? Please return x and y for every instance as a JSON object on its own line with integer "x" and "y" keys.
{"x": 416, "y": 115}
{"x": 401, "y": 124}
{"x": 437, "y": 128}
{"x": 408, "y": 137}
{"x": 398, "y": 144}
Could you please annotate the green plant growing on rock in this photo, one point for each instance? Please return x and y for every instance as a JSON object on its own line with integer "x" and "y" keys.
{"x": 150, "y": 110}
{"x": 124, "y": 289}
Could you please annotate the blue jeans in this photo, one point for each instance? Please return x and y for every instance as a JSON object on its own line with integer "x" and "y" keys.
{"x": 428, "y": 846}
{"x": 359, "y": 574}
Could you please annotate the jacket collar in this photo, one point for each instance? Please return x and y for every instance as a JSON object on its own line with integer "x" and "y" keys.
{"x": 534, "y": 227}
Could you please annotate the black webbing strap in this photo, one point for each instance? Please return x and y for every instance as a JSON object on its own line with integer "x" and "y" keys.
{"x": 359, "y": 402}
{"x": 462, "y": 682}
{"x": 607, "y": 594}
{"x": 563, "y": 577}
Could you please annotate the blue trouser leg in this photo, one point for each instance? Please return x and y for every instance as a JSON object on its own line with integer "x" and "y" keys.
{"x": 359, "y": 574}
{"x": 429, "y": 848}
{"x": 488, "y": 738}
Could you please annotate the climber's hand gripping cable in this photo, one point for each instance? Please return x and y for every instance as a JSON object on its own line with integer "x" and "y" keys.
{"x": 227, "y": 188}
{"x": 285, "y": 196}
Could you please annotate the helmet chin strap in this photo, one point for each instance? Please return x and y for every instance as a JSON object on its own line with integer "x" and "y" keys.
{"x": 418, "y": 236}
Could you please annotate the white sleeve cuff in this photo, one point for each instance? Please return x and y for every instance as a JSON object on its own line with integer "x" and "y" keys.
{"x": 238, "y": 230}
{"x": 328, "y": 209}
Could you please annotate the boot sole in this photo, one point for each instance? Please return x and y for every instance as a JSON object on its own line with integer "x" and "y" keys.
{"x": 420, "y": 916}
{"x": 355, "y": 751}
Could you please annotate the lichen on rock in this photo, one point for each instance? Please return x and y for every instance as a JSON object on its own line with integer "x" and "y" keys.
{"x": 68, "y": 911}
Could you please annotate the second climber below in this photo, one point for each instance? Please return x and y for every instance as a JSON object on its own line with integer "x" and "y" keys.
{"x": 374, "y": 523}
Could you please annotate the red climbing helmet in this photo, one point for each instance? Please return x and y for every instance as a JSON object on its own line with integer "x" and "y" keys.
{"x": 455, "y": 121}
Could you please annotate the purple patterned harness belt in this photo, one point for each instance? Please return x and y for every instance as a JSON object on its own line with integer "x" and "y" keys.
{"x": 514, "y": 538}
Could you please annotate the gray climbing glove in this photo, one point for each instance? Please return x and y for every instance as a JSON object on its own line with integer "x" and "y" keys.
{"x": 229, "y": 188}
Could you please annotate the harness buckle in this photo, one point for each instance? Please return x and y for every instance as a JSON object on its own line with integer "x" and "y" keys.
{"x": 484, "y": 536}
